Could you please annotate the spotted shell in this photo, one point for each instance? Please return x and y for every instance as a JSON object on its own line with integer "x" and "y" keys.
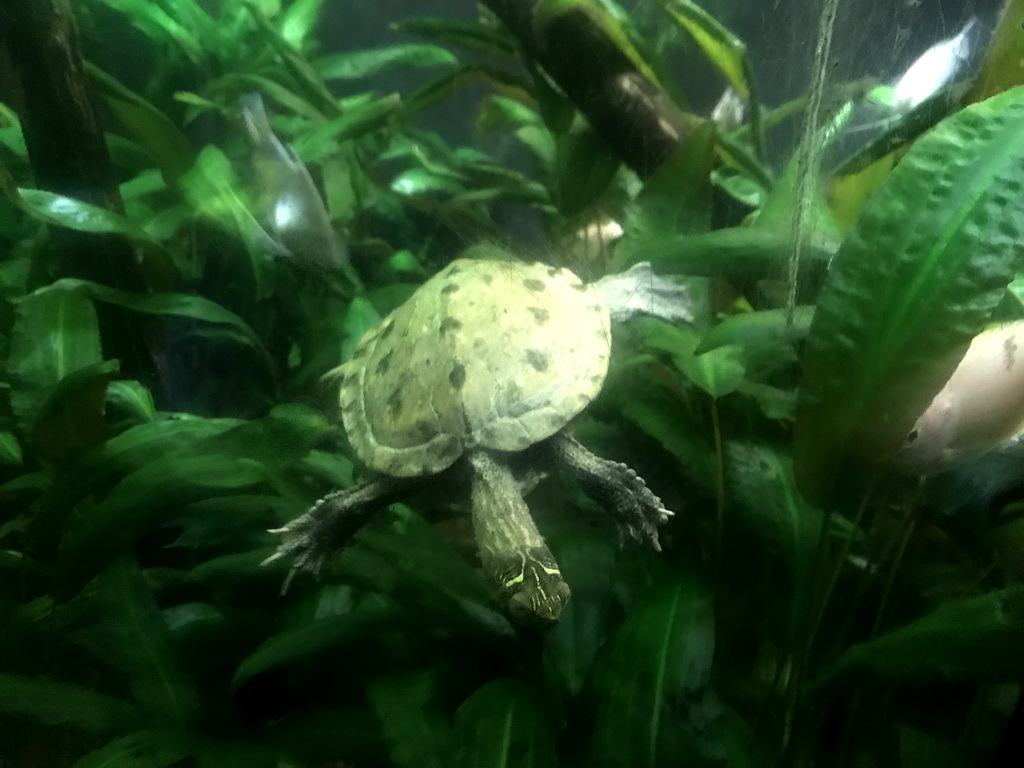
{"x": 487, "y": 353}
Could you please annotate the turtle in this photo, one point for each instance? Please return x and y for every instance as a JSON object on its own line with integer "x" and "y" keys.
{"x": 484, "y": 367}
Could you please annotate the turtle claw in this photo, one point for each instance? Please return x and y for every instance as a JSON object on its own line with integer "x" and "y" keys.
{"x": 325, "y": 528}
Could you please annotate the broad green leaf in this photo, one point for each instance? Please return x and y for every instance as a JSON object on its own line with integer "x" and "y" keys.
{"x": 770, "y": 506}
{"x": 911, "y": 285}
{"x": 504, "y": 723}
{"x": 319, "y": 635}
{"x": 140, "y": 500}
{"x": 161, "y": 25}
{"x": 72, "y": 419}
{"x": 738, "y": 253}
{"x": 360, "y": 318}
{"x": 148, "y": 126}
{"x": 133, "y": 638}
{"x": 133, "y": 399}
{"x": 143, "y": 749}
{"x": 972, "y": 641}
{"x": 52, "y": 208}
{"x": 718, "y": 371}
{"x": 371, "y": 61}
{"x": 658, "y": 661}
{"x": 56, "y": 333}
{"x": 407, "y": 706}
{"x": 298, "y": 20}
{"x": 10, "y": 449}
{"x": 467, "y": 34}
{"x": 306, "y": 79}
{"x": 1001, "y": 70}
{"x": 584, "y": 166}
{"x": 356, "y": 122}
{"x": 767, "y": 339}
{"x": 178, "y": 304}
{"x": 675, "y": 200}
{"x": 64, "y": 704}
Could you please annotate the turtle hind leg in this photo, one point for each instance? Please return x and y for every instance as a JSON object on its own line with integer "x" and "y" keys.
{"x": 615, "y": 487}
{"x": 328, "y": 526}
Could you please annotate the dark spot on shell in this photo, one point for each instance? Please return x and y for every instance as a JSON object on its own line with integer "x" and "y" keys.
{"x": 552, "y": 271}
{"x": 424, "y": 428}
{"x": 383, "y": 364}
{"x": 487, "y": 277}
{"x": 359, "y": 352}
{"x": 394, "y": 403}
{"x": 478, "y": 342}
{"x": 450, "y": 288}
{"x": 596, "y": 379}
{"x": 537, "y": 359}
{"x": 540, "y": 314}
{"x": 579, "y": 286}
{"x": 534, "y": 284}
{"x": 386, "y": 329}
{"x": 450, "y": 324}
{"x": 458, "y": 376}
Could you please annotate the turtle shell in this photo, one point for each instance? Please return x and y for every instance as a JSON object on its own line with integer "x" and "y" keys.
{"x": 486, "y": 353}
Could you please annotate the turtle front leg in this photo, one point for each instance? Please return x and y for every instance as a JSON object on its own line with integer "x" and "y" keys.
{"x": 328, "y": 526}
{"x": 638, "y": 291}
{"x": 615, "y": 487}
{"x": 512, "y": 550}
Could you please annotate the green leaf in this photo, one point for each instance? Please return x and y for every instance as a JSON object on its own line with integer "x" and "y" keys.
{"x": 56, "y": 332}
{"x": 718, "y": 371}
{"x": 144, "y": 749}
{"x": 10, "y": 450}
{"x": 148, "y": 126}
{"x": 972, "y": 641}
{"x": 726, "y": 51}
{"x": 133, "y": 638}
{"x": 176, "y": 304}
{"x": 911, "y": 285}
{"x": 298, "y": 20}
{"x": 133, "y": 399}
{"x": 64, "y": 704}
{"x": 67, "y": 212}
{"x": 306, "y": 79}
{"x": 658, "y": 660}
{"x": 462, "y": 33}
{"x": 504, "y": 723}
{"x": 737, "y": 253}
{"x": 360, "y": 318}
{"x": 407, "y": 706}
{"x": 770, "y": 506}
{"x": 319, "y": 635}
{"x": 675, "y": 200}
{"x": 356, "y": 122}
{"x": 371, "y": 61}
{"x": 140, "y": 500}
{"x": 585, "y": 166}
{"x": 767, "y": 339}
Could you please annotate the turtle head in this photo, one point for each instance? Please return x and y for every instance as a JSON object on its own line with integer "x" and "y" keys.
{"x": 532, "y": 587}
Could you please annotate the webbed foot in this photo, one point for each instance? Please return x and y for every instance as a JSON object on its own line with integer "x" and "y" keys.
{"x": 619, "y": 489}
{"x": 326, "y": 528}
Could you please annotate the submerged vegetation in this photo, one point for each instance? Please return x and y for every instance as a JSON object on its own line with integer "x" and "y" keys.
{"x": 163, "y": 399}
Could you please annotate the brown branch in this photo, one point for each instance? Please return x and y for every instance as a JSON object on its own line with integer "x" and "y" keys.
{"x": 632, "y": 114}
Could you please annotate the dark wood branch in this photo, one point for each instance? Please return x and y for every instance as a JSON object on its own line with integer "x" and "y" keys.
{"x": 45, "y": 81}
{"x": 627, "y": 109}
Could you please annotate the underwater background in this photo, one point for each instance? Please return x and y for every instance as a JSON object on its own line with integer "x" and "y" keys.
{"x": 251, "y": 251}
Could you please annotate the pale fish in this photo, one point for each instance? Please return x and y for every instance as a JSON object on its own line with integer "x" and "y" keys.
{"x": 933, "y": 70}
{"x": 295, "y": 212}
{"x": 979, "y": 408}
